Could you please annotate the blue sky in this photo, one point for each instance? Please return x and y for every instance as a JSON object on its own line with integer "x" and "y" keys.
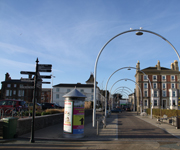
{"x": 70, "y": 33}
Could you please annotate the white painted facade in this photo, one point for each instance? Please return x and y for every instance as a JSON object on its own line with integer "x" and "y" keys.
{"x": 86, "y": 89}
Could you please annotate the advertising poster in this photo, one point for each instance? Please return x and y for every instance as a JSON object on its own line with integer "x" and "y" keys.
{"x": 68, "y": 113}
{"x": 78, "y": 117}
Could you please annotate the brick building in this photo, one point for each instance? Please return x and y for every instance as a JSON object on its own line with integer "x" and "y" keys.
{"x": 19, "y": 89}
{"x": 46, "y": 95}
{"x": 165, "y": 86}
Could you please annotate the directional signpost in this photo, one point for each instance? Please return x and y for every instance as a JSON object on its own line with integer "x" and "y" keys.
{"x": 37, "y": 83}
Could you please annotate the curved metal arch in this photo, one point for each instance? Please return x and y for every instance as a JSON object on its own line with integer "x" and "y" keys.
{"x": 110, "y": 90}
{"x": 122, "y": 91}
{"x": 95, "y": 67}
{"x": 123, "y": 87}
{"x": 132, "y": 81}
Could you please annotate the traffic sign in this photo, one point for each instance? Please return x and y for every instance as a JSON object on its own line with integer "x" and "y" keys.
{"x": 27, "y": 72}
{"x": 46, "y": 77}
{"x": 44, "y": 67}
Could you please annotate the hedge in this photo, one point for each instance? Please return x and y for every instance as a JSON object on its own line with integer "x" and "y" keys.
{"x": 161, "y": 112}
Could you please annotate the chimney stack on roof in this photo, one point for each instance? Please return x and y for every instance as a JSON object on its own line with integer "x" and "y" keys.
{"x": 7, "y": 76}
{"x": 174, "y": 66}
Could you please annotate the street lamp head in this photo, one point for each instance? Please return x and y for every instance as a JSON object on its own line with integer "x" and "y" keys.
{"x": 129, "y": 69}
{"x": 139, "y": 33}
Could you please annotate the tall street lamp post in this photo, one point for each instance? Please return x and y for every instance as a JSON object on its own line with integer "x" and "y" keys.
{"x": 138, "y": 32}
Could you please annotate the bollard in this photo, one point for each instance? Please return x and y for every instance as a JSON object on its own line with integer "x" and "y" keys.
{"x": 97, "y": 127}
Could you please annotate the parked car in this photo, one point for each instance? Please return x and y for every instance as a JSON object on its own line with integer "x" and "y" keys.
{"x": 47, "y": 106}
{"x": 116, "y": 110}
{"x": 58, "y": 106}
{"x": 16, "y": 105}
{"x": 37, "y": 106}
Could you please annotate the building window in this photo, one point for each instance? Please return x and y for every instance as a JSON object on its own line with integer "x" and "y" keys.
{"x": 15, "y": 85}
{"x": 92, "y": 90}
{"x": 14, "y": 92}
{"x": 164, "y": 78}
{"x": 145, "y": 85}
{"x": 7, "y": 92}
{"x": 155, "y": 102}
{"x": 145, "y": 103}
{"x": 145, "y": 94}
{"x": 173, "y": 94}
{"x": 173, "y": 85}
{"x": 155, "y": 93}
{"x": 68, "y": 90}
{"x": 154, "y": 77}
{"x": 145, "y": 77}
{"x": 91, "y": 97}
{"x": 57, "y": 96}
{"x": 154, "y": 85}
{"x": 164, "y": 85}
{"x": 164, "y": 93}
{"x": 172, "y": 78}
{"x": 57, "y": 89}
{"x": 8, "y": 85}
{"x": 21, "y": 93}
{"x": 10, "y": 92}
{"x": 21, "y": 85}
{"x": 174, "y": 103}
{"x": 82, "y": 90}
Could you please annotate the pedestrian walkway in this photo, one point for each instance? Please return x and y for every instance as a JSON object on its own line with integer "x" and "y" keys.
{"x": 164, "y": 126}
{"x": 90, "y": 133}
{"x": 110, "y": 133}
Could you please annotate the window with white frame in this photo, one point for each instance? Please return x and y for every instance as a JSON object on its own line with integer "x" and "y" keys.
{"x": 145, "y": 103}
{"x": 145, "y": 85}
{"x": 163, "y": 93}
{"x": 164, "y": 85}
{"x": 164, "y": 77}
{"x": 172, "y": 85}
{"x": 173, "y": 93}
{"x": 145, "y": 93}
{"x": 172, "y": 77}
{"x": 173, "y": 102}
{"x": 57, "y": 96}
{"x": 155, "y": 102}
{"x": 154, "y": 77}
{"x": 155, "y": 93}
{"x": 154, "y": 85}
{"x": 145, "y": 77}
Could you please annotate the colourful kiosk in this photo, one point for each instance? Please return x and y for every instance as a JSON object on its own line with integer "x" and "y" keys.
{"x": 74, "y": 114}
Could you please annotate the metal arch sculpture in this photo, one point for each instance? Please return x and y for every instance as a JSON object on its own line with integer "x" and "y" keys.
{"x": 96, "y": 62}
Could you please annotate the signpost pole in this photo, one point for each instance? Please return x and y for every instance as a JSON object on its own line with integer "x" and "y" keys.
{"x": 34, "y": 96}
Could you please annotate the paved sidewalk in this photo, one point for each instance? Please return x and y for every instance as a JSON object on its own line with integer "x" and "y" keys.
{"x": 90, "y": 133}
{"x": 110, "y": 133}
{"x": 164, "y": 126}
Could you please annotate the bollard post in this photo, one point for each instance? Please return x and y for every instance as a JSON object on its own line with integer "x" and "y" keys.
{"x": 97, "y": 127}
